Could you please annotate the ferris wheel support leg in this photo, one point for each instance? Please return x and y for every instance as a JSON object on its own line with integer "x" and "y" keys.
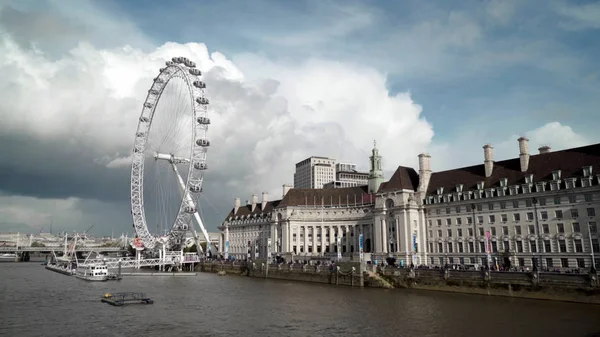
{"x": 196, "y": 215}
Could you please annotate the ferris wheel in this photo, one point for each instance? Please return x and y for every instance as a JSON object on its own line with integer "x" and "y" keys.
{"x": 169, "y": 157}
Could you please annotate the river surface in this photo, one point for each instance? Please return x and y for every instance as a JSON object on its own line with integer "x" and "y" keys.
{"x": 38, "y": 302}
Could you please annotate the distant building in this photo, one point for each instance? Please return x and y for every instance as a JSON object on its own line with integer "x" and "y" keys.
{"x": 537, "y": 209}
{"x": 314, "y": 172}
{"x": 347, "y": 175}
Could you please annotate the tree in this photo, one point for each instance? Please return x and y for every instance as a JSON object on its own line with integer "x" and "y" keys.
{"x": 37, "y": 244}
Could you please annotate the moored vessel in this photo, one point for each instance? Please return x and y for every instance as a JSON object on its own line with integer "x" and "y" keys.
{"x": 92, "y": 272}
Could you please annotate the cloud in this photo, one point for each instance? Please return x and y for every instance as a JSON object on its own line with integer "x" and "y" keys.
{"x": 579, "y": 17}
{"x": 73, "y": 138}
{"x": 69, "y": 111}
{"x": 465, "y": 152}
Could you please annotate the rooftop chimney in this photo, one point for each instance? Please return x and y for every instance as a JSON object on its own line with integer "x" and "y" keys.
{"x": 544, "y": 149}
{"x": 254, "y": 201}
{"x": 265, "y": 199}
{"x": 524, "y": 153}
{"x": 488, "y": 163}
{"x": 236, "y": 205}
{"x": 286, "y": 188}
{"x": 424, "y": 171}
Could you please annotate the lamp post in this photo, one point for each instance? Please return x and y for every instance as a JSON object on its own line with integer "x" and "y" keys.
{"x": 539, "y": 234}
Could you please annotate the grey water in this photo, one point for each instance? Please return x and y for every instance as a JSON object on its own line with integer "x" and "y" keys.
{"x": 38, "y": 302}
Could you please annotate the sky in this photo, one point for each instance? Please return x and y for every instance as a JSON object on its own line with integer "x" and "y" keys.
{"x": 286, "y": 80}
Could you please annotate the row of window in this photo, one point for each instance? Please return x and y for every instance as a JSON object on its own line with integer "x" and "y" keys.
{"x": 549, "y": 246}
{"x": 558, "y": 200}
{"x": 516, "y": 217}
{"x": 563, "y": 262}
{"x": 545, "y": 229}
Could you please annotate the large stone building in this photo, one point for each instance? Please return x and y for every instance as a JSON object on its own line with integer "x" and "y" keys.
{"x": 534, "y": 209}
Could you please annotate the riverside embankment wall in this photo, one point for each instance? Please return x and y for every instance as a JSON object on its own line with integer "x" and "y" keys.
{"x": 583, "y": 288}
{"x": 566, "y": 287}
{"x": 343, "y": 274}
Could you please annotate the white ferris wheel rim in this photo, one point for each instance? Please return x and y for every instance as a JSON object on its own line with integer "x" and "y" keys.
{"x": 185, "y": 69}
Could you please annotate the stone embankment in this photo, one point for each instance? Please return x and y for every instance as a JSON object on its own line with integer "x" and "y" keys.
{"x": 583, "y": 288}
{"x": 346, "y": 273}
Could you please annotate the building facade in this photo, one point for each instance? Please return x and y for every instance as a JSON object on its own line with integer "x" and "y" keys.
{"x": 537, "y": 209}
{"x": 314, "y": 172}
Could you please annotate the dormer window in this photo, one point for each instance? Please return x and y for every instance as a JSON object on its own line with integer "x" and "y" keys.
{"x": 440, "y": 190}
{"x": 526, "y": 188}
{"x": 480, "y": 185}
{"x": 489, "y": 193}
{"x": 556, "y": 175}
{"x": 587, "y": 171}
{"x": 459, "y": 188}
{"x": 501, "y": 191}
{"x": 541, "y": 186}
{"x": 513, "y": 190}
{"x": 467, "y": 195}
{"x": 529, "y": 179}
{"x": 503, "y": 182}
{"x": 570, "y": 182}
{"x": 586, "y": 181}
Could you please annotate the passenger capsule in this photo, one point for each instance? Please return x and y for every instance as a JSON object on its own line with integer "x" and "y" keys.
{"x": 203, "y": 120}
{"x": 148, "y": 105}
{"x": 195, "y": 188}
{"x": 144, "y": 119}
{"x": 200, "y": 166}
{"x": 153, "y": 92}
{"x": 199, "y": 84}
{"x": 190, "y": 209}
{"x": 195, "y": 71}
{"x": 184, "y": 227}
{"x": 169, "y": 63}
{"x": 162, "y": 69}
{"x": 190, "y": 64}
{"x": 202, "y": 100}
{"x": 178, "y": 60}
{"x": 203, "y": 142}
{"x": 140, "y": 134}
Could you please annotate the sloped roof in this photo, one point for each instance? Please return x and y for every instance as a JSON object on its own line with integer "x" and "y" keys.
{"x": 570, "y": 162}
{"x": 327, "y": 196}
{"x": 247, "y": 209}
{"x": 405, "y": 178}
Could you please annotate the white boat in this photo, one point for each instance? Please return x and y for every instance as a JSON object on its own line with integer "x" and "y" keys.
{"x": 92, "y": 272}
{"x": 8, "y": 257}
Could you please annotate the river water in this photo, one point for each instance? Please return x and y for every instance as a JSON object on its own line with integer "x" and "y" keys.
{"x": 38, "y": 302}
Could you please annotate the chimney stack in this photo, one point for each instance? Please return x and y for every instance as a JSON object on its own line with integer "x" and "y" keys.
{"x": 236, "y": 205}
{"x": 424, "y": 172}
{"x": 488, "y": 154}
{"x": 254, "y": 201}
{"x": 265, "y": 199}
{"x": 286, "y": 188}
{"x": 544, "y": 149}
{"x": 524, "y": 153}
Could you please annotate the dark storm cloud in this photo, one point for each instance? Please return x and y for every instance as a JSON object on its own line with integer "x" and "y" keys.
{"x": 57, "y": 169}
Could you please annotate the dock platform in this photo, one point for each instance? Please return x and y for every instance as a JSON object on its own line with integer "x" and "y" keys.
{"x": 179, "y": 274}
{"x": 121, "y": 299}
